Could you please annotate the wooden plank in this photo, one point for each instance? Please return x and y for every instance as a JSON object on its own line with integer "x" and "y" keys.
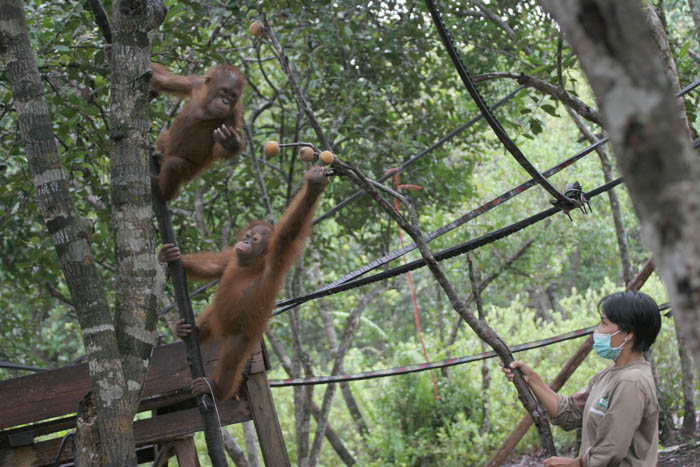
{"x": 26, "y": 457}
{"x": 55, "y": 393}
{"x": 186, "y": 452}
{"x": 143, "y": 454}
{"x": 40, "y": 429}
{"x": 267, "y": 425}
{"x": 148, "y": 431}
{"x": 46, "y": 428}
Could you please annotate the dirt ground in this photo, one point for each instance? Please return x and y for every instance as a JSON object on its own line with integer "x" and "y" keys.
{"x": 681, "y": 456}
{"x": 684, "y": 455}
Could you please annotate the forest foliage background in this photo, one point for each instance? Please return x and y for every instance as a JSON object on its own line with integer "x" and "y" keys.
{"x": 383, "y": 89}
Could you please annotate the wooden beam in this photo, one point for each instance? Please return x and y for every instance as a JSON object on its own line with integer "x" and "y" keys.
{"x": 148, "y": 431}
{"x": 56, "y": 393}
{"x": 267, "y": 425}
{"x": 186, "y": 452}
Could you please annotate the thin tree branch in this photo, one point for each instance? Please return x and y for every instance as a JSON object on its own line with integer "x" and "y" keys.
{"x": 288, "y": 366}
{"x": 485, "y": 283}
{"x": 101, "y": 19}
{"x": 558, "y": 93}
{"x": 350, "y": 325}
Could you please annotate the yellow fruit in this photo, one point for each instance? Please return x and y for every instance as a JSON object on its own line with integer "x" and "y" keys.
{"x": 257, "y": 28}
{"x": 271, "y": 148}
{"x": 326, "y": 157}
{"x": 306, "y": 154}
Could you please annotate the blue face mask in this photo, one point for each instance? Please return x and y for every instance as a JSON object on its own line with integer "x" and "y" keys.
{"x": 601, "y": 345}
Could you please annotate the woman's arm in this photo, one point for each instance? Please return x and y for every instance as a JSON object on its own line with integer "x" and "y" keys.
{"x": 543, "y": 392}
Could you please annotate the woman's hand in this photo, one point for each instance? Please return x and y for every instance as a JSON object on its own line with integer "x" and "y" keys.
{"x": 544, "y": 393}
{"x": 524, "y": 368}
{"x": 561, "y": 462}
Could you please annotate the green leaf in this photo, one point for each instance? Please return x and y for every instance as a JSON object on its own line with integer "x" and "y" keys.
{"x": 549, "y": 109}
{"x": 684, "y": 49}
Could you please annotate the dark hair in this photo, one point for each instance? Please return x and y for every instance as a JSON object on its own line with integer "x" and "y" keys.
{"x": 634, "y": 312}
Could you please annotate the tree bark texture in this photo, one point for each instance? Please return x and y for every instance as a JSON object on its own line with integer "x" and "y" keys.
{"x": 234, "y": 450}
{"x": 658, "y": 33}
{"x": 251, "y": 443}
{"x": 651, "y": 143}
{"x": 70, "y": 240}
{"x": 87, "y": 436}
{"x": 136, "y": 313}
{"x": 687, "y": 373}
{"x": 690, "y": 424}
{"x": 101, "y": 19}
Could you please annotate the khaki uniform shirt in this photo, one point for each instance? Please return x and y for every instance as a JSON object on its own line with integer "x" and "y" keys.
{"x": 619, "y": 415}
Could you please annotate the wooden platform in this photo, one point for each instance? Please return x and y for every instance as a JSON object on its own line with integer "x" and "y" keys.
{"x": 31, "y": 400}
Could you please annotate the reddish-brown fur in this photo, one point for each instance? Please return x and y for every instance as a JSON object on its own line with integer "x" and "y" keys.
{"x": 251, "y": 275}
{"x": 207, "y": 129}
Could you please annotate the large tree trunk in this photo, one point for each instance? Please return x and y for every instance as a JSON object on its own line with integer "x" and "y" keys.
{"x": 687, "y": 373}
{"x": 690, "y": 424}
{"x": 116, "y": 383}
{"x": 70, "y": 240}
{"x": 651, "y": 143}
{"x": 136, "y": 313}
{"x": 87, "y": 435}
{"x": 658, "y": 33}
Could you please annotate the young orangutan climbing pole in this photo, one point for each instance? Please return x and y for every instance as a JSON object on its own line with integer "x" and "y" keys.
{"x": 252, "y": 273}
{"x": 207, "y": 129}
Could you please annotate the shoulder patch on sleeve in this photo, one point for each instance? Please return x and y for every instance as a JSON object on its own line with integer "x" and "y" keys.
{"x": 603, "y": 402}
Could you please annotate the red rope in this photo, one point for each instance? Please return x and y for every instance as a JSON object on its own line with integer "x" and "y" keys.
{"x": 411, "y": 285}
